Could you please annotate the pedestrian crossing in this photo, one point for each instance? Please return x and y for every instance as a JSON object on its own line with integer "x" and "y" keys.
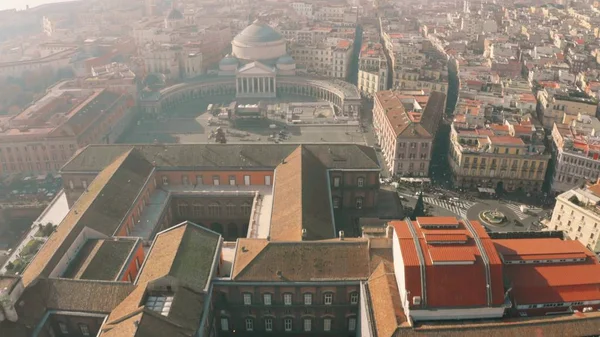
{"x": 458, "y": 207}
{"x": 517, "y": 209}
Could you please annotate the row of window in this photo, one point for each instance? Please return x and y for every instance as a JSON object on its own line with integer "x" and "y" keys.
{"x": 412, "y": 156}
{"x": 337, "y": 181}
{"x": 64, "y": 329}
{"x": 216, "y": 180}
{"x": 288, "y": 324}
{"x": 308, "y": 298}
{"x": 213, "y": 209}
{"x": 412, "y": 145}
{"x": 34, "y": 148}
{"x": 29, "y": 167}
{"x": 358, "y": 201}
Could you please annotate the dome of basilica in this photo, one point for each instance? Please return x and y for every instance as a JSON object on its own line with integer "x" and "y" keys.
{"x": 259, "y": 42}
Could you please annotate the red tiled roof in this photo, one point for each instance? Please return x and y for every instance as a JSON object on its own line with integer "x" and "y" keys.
{"x": 550, "y": 283}
{"x": 450, "y": 237}
{"x": 343, "y": 44}
{"x": 509, "y": 140}
{"x": 515, "y": 248}
{"x": 451, "y": 254}
{"x": 437, "y": 221}
{"x": 499, "y": 127}
{"x": 449, "y": 284}
{"x": 544, "y": 257}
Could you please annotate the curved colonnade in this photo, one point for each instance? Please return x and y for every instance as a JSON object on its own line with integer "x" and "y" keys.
{"x": 344, "y": 97}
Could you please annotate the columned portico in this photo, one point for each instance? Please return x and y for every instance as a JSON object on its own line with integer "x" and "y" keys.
{"x": 256, "y": 80}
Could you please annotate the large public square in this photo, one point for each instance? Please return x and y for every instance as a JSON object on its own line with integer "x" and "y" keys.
{"x": 189, "y": 122}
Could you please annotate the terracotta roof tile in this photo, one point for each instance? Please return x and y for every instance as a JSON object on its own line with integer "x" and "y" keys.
{"x": 515, "y": 248}
{"x": 102, "y": 208}
{"x": 186, "y": 252}
{"x": 451, "y": 254}
{"x": 449, "y": 238}
{"x": 466, "y": 281}
{"x": 386, "y": 305}
{"x": 301, "y": 200}
{"x": 95, "y": 158}
{"x": 437, "y": 220}
{"x": 302, "y": 261}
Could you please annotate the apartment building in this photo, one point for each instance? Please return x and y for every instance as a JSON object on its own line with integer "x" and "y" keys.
{"x": 41, "y": 139}
{"x": 372, "y": 69}
{"x": 576, "y": 153}
{"x": 405, "y": 126}
{"x": 53, "y": 62}
{"x": 576, "y": 213}
{"x": 417, "y": 79}
{"x": 502, "y": 156}
{"x": 565, "y": 103}
{"x": 330, "y": 58}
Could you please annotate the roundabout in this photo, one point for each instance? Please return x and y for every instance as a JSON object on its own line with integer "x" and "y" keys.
{"x": 493, "y": 217}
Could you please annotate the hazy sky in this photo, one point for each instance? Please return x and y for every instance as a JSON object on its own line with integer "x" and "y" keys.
{"x": 20, "y": 4}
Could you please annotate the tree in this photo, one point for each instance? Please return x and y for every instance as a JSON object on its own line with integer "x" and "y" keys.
{"x": 419, "y": 208}
{"x": 220, "y": 137}
{"x": 453, "y": 86}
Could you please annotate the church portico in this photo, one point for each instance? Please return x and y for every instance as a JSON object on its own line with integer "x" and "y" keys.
{"x": 256, "y": 80}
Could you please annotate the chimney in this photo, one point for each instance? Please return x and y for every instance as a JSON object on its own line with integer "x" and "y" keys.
{"x": 341, "y": 234}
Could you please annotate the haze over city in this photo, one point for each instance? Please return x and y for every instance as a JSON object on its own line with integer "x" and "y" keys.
{"x": 363, "y": 168}
{"x": 22, "y": 4}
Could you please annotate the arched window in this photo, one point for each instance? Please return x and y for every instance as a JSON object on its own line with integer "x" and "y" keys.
{"x": 182, "y": 208}
{"x": 214, "y": 209}
{"x": 246, "y": 208}
{"x": 198, "y": 209}
{"x": 230, "y": 209}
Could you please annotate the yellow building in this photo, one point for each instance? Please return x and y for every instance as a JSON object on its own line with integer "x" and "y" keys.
{"x": 507, "y": 157}
{"x": 433, "y": 80}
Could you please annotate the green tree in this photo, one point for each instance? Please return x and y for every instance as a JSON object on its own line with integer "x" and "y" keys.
{"x": 419, "y": 208}
{"x": 453, "y": 86}
{"x": 220, "y": 136}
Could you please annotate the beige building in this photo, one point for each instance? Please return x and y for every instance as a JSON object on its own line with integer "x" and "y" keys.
{"x": 405, "y": 126}
{"x": 501, "y": 156}
{"x": 577, "y": 213}
{"x": 372, "y": 69}
{"x": 41, "y": 139}
{"x": 330, "y": 58}
{"x": 570, "y": 103}
{"x": 427, "y": 79}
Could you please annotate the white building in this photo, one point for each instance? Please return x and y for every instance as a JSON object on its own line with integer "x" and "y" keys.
{"x": 303, "y": 9}
{"x": 577, "y": 152}
{"x": 577, "y": 213}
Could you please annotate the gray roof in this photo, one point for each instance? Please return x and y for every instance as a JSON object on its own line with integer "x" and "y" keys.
{"x": 258, "y": 32}
{"x": 174, "y": 14}
{"x": 286, "y": 59}
{"x": 233, "y": 156}
{"x": 185, "y": 252}
{"x": 229, "y": 60}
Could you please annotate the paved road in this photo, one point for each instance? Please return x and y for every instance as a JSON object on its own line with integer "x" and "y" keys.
{"x": 472, "y": 209}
